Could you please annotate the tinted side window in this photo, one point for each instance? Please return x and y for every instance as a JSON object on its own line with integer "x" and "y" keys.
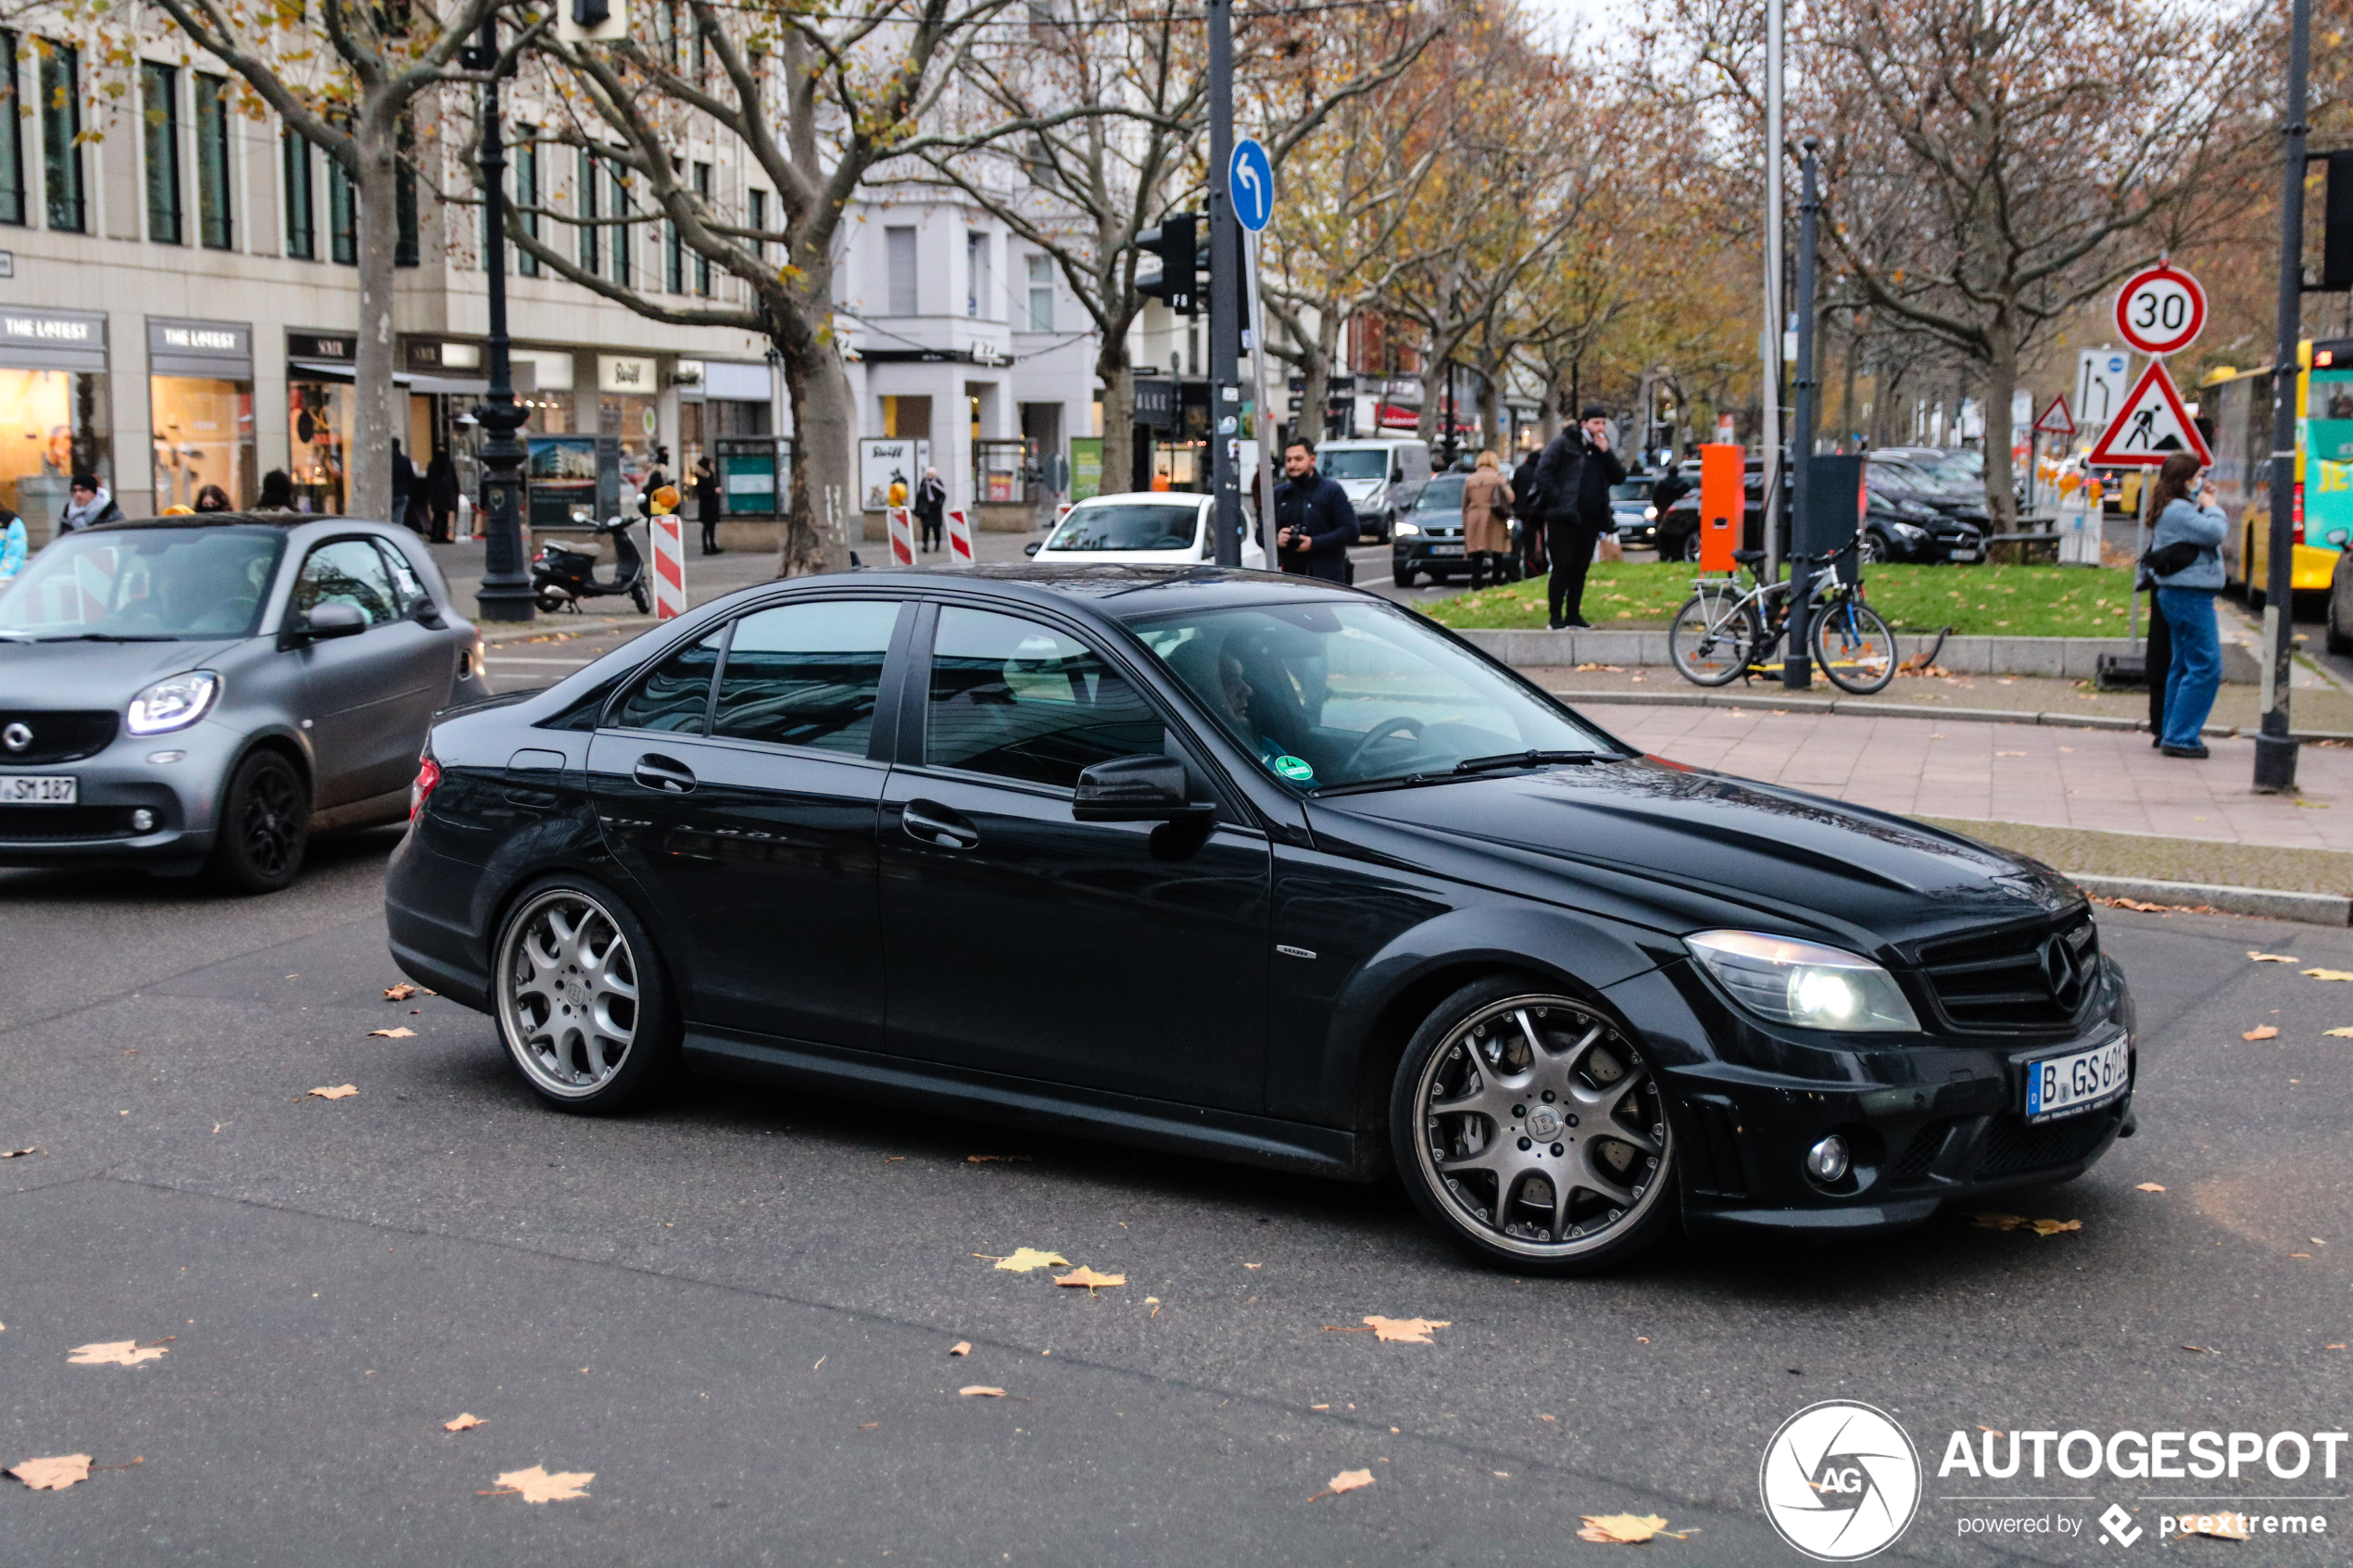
{"x": 675, "y": 695}
{"x": 807, "y": 674}
{"x": 347, "y": 572}
{"x": 1016, "y": 698}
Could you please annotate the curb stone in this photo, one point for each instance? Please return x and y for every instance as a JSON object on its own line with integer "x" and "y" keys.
{"x": 2061, "y": 719}
{"x": 2308, "y": 908}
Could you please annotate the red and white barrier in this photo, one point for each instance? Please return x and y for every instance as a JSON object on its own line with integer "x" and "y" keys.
{"x": 903, "y": 535}
{"x": 960, "y": 537}
{"x": 670, "y": 568}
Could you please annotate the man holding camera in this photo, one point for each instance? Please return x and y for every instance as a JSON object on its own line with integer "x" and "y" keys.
{"x": 1314, "y": 523}
{"x": 1574, "y": 476}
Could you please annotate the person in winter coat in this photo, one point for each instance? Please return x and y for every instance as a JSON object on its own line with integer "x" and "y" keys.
{"x": 14, "y": 544}
{"x": 277, "y": 492}
{"x": 441, "y": 495}
{"x": 404, "y": 484}
{"x": 931, "y": 507}
{"x": 1575, "y": 474}
{"x": 707, "y": 504}
{"x": 89, "y": 502}
{"x": 1487, "y": 527}
{"x": 212, "y": 498}
{"x": 2189, "y": 536}
{"x": 1314, "y": 523}
{"x": 1529, "y": 503}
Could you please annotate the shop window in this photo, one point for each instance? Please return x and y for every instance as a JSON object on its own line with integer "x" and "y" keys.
{"x": 318, "y": 423}
{"x": 160, "y": 115}
{"x": 975, "y": 274}
{"x": 527, "y": 193}
{"x": 343, "y": 214}
{"x": 11, "y": 130}
{"x": 1041, "y": 294}
{"x": 203, "y": 435}
{"x": 702, "y": 262}
{"x": 302, "y": 229}
{"x": 900, "y": 247}
{"x": 53, "y": 423}
{"x": 214, "y": 229}
{"x": 61, "y": 134}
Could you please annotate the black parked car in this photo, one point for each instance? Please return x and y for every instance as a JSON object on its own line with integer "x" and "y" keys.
{"x": 1428, "y": 541}
{"x": 1263, "y": 868}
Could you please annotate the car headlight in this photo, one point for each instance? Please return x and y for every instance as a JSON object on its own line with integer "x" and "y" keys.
{"x": 1911, "y": 531}
{"x": 1650, "y": 514}
{"x": 1406, "y": 529}
{"x": 174, "y": 703}
{"x": 1785, "y": 981}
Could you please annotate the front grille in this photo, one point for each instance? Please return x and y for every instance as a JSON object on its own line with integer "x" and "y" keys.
{"x": 2012, "y": 1146}
{"x": 2002, "y": 982}
{"x": 42, "y": 824}
{"x": 57, "y": 737}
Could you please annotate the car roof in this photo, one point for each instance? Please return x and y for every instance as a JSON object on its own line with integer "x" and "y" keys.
{"x": 238, "y": 520}
{"x": 1165, "y": 498}
{"x": 1110, "y": 590}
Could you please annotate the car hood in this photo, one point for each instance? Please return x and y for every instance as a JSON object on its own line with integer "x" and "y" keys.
{"x": 1360, "y": 490}
{"x": 70, "y": 675}
{"x": 1683, "y": 848}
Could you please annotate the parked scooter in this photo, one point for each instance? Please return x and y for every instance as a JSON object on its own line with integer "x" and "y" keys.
{"x": 562, "y": 577}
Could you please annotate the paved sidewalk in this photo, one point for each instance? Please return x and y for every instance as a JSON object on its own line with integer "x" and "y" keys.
{"x": 2098, "y": 780}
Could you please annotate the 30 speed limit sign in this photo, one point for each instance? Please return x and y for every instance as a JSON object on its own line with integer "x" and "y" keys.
{"x": 2160, "y": 310}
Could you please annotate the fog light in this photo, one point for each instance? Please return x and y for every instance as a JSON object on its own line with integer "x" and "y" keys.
{"x": 1826, "y": 1162}
{"x": 142, "y": 820}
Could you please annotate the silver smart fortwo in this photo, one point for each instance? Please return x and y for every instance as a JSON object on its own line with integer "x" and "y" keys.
{"x": 193, "y": 692}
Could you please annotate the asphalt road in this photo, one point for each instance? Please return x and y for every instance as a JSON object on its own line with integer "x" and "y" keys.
{"x": 736, "y": 1311}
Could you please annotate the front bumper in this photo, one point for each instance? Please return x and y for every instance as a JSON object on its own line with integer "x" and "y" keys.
{"x": 1428, "y": 553}
{"x": 1932, "y": 1123}
{"x": 177, "y": 776}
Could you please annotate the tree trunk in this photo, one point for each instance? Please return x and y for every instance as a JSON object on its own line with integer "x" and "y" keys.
{"x": 373, "y": 429}
{"x": 1548, "y": 412}
{"x": 1119, "y": 415}
{"x": 2001, "y": 378}
{"x": 824, "y": 496}
{"x": 1491, "y": 418}
{"x": 1315, "y": 381}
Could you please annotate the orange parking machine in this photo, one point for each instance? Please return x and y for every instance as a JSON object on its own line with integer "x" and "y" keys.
{"x": 1722, "y": 508}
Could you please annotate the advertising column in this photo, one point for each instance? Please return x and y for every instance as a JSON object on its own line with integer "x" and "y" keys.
{"x": 200, "y": 404}
{"x": 53, "y": 413}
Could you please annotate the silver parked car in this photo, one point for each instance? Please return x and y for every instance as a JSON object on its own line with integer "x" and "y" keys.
{"x": 185, "y": 693}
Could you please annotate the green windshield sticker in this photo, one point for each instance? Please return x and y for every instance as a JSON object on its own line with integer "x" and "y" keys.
{"x": 1295, "y": 769}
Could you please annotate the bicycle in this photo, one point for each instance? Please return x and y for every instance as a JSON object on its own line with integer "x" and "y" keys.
{"x": 1722, "y": 632}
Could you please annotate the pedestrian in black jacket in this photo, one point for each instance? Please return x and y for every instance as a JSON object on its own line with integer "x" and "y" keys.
{"x": 1314, "y": 522}
{"x": 707, "y": 509}
{"x": 931, "y": 507}
{"x": 1574, "y": 476}
{"x": 1528, "y": 505}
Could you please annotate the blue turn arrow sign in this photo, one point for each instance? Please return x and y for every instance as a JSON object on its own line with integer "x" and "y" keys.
{"x": 1249, "y": 184}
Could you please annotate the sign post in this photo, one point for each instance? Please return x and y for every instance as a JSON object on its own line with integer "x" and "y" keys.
{"x": 2160, "y": 310}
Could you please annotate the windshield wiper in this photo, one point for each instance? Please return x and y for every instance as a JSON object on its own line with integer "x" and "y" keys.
{"x": 1526, "y": 760}
{"x": 112, "y": 637}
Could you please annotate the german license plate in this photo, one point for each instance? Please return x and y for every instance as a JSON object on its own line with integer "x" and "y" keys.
{"x": 1446, "y": 549}
{"x": 38, "y": 789}
{"x": 1965, "y": 553}
{"x": 2069, "y": 1086}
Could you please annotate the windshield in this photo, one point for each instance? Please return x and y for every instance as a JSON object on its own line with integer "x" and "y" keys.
{"x": 1349, "y": 692}
{"x": 1443, "y": 494}
{"x": 1129, "y": 526}
{"x": 1355, "y": 463}
{"x": 1632, "y": 490}
{"x": 147, "y": 583}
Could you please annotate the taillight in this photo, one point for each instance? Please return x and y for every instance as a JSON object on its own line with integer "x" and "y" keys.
{"x": 428, "y": 776}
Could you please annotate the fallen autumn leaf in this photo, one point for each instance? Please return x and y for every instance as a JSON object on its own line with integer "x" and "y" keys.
{"x": 980, "y": 1391}
{"x": 2054, "y": 1227}
{"x": 2345, "y": 1033}
{"x": 341, "y": 1091}
{"x": 1626, "y": 1529}
{"x": 1404, "y": 1331}
{"x": 2262, "y": 1032}
{"x": 115, "y": 1352}
{"x": 1082, "y": 1275}
{"x": 2272, "y": 958}
{"x": 536, "y": 1486}
{"x": 1346, "y": 1481}
{"x": 1997, "y": 1221}
{"x": 961, "y": 1348}
{"x": 54, "y": 1474}
{"x": 466, "y": 1422}
{"x": 400, "y": 993}
{"x": 403, "y": 1033}
{"x": 18, "y": 1153}
{"x": 2150, "y": 1186}
{"x": 2330, "y": 974}
{"x": 2219, "y": 1527}
{"x": 1024, "y": 1259}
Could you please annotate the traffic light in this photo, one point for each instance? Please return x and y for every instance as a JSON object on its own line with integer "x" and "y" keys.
{"x": 1175, "y": 242}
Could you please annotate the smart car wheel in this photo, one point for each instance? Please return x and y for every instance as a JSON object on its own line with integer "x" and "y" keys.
{"x": 582, "y": 1004}
{"x": 1532, "y": 1131}
{"x": 265, "y": 825}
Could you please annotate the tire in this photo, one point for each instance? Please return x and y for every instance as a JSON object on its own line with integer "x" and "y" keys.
{"x": 642, "y": 599}
{"x": 2338, "y": 642}
{"x": 1710, "y": 647}
{"x": 1851, "y": 644}
{"x": 1404, "y": 577}
{"x": 1503, "y": 1063}
{"x": 1876, "y": 551}
{"x": 264, "y": 825}
{"x": 1689, "y": 549}
{"x": 572, "y": 974}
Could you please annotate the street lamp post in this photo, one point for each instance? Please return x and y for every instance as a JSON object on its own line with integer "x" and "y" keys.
{"x": 2274, "y": 747}
{"x": 505, "y": 593}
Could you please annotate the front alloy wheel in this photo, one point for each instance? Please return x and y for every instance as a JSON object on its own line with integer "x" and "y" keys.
{"x": 580, "y": 1010}
{"x": 1533, "y": 1131}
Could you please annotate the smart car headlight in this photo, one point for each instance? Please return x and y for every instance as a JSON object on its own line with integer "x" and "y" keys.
{"x": 174, "y": 703}
{"x": 1785, "y": 981}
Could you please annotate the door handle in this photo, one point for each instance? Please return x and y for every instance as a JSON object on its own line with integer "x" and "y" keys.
{"x": 937, "y": 824}
{"x": 664, "y": 773}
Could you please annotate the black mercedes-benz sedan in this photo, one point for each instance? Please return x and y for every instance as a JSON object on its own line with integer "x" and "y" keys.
{"x": 1259, "y": 867}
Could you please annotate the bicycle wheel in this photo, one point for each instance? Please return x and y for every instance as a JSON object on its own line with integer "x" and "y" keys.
{"x": 1853, "y": 645}
{"x": 1713, "y": 638}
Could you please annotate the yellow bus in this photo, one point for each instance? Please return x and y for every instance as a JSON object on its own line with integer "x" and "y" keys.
{"x": 2236, "y": 407}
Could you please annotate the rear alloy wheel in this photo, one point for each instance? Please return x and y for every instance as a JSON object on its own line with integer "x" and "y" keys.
{"x": 2338, "y": 642}
{"x": 264, "y": 826}
{"x": 1690, "y": 547}
{"x": 582, "y": 1006}
{"x": 1533, "y": 1132}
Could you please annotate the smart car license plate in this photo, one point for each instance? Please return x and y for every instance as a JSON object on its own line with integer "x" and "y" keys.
{"x": 2069, "y": 1086}
{"x": 38, "y": 789}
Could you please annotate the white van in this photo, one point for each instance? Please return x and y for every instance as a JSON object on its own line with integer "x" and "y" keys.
{"x": 1382, "y": 474}
{"x": 1141, "y": 528}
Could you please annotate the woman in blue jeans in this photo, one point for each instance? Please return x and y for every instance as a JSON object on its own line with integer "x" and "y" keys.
{"x": 2186, "y": 598}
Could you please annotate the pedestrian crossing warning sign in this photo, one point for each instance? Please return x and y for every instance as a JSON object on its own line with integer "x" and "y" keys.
{"x": 2151, "y": 426}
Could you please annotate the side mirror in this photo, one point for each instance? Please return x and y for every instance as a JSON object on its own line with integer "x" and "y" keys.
{"x": 1144, "y": 788}
{"x": 2339, "y": 537}
{"x": 1033, "y": 547}
{"x": 333, "y": 619}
